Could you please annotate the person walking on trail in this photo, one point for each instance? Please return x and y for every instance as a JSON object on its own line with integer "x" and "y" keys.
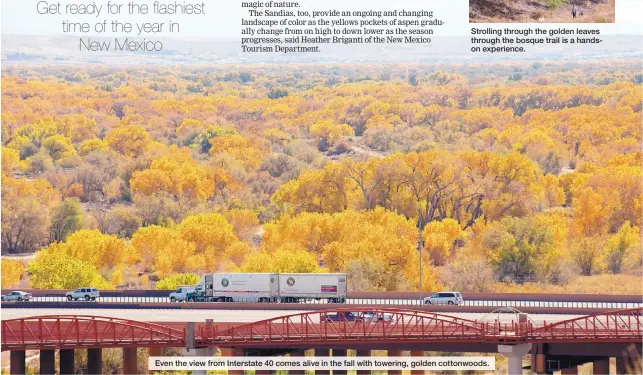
{"x": 574, "y": 10}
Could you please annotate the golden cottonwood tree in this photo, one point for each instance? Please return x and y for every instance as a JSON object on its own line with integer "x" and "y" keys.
{"x": 163, "y": 249}
{"x": 102, "y": 251}
{"x": 57, "y": 270}
{"x": 12, "y": 271}
{"x": 176, "y": 174}
{"x": 26, "y": 212}
{"x": 129, "y": 140}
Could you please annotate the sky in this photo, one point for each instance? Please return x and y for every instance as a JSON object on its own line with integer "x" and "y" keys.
{"x": 222, "y": 18}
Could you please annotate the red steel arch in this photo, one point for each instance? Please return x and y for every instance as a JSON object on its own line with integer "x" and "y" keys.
{"x": 74, "y": 332}
{"x": 612, "y": 326}
{"x": 310, "y": 328}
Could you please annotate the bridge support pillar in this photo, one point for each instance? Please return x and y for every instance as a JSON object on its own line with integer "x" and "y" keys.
{"x": 569, "y": 370}
{"x": 47, "y": 362}
{"x": 322, "y": 353}
{"x": 538, "y": 363}
{"x": 154, "y": 352}
{"x": 417, "y": 353}
{"x": 395, "y": 353}
{"x": 67, "y": 361}
{"x": 363, "y": 353}
{"x": 620, "y": 366}
{"x": 298, "y": 353}
{"x": 130, "y": 361}
{"x": 514, "y": 354}
{"x": 94, "y": 361}
{"x": 601, "y": 366}
{"x": 18, "y": 366}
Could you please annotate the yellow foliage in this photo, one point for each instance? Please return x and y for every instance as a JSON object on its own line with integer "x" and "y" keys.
{"x": 26, "y": 211}
{"x": 337, "y": 241}
{"x": 330, "y": 131}
{"x": 77, "y": 127}
{"x": 289, "y": 259}
{"x": 58, "y": 147}
{"x": 177, "y": 174}
{"x": 12, "y": 271}
{"x": 10, "y": 160}
{"x": 439, "y": 239}
{"x": 57, "y": 270}
{"x": 92, "y": 145}
{"x": 554, "y": 194}
{"x": 117, "y": 277}
{"x": 248, "y": 151}
{"x": 245, "y": 222}
{"x": 93, "y": 247}
{"x": 190, "y": 125}
{"x": 208, "y": 230}
{"x": 162, "y": 249}
{"x": 589, "y": 213}
{"x": 129, "y": 140}
{"x": 145, "y": 282}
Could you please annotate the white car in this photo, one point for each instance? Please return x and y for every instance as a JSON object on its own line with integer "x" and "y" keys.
{"x": 181, "y": 294}
{"x": 444, "y": 298}
{"x": 372, "y": 316}
{"x": 88, "y": 294}
{"x": 16, "y": 296}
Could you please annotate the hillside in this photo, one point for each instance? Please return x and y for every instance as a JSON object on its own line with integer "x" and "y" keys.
{"x": 543, "y": 11}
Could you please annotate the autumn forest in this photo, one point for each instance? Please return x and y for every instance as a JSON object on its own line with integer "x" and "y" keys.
{"x": 520, "y": 176}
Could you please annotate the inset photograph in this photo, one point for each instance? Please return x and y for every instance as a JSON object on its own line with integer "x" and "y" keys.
{"x": 542, "y": 11}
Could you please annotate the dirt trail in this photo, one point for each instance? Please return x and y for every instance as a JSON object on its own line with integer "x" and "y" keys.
{"x": 540, "y": 11}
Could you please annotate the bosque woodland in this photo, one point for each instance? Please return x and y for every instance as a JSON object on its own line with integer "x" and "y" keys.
{"x": 517, "y": 176}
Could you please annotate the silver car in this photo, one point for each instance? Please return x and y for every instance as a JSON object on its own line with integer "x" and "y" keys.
{"x": 444, "y": 298}
{"x": 88, "y": 294}
{"x": 16, "y": 296}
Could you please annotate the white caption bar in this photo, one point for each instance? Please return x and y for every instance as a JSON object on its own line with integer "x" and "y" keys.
{"x": 321, "y": 363}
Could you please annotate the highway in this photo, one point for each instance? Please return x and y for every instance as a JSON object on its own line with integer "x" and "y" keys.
{"x": 372, "y": 301}
{"x": 236, "y": 316}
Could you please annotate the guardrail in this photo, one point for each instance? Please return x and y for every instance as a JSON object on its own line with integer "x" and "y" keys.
{"x": 289, "y": 307}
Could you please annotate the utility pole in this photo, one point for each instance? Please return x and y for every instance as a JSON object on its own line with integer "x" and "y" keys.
{"x": 420, "y": 247}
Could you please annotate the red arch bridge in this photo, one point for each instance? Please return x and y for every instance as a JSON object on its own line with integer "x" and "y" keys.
{"x": 560, "y": 345}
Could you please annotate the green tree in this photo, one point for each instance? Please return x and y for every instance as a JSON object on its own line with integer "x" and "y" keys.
{"x": 203, "y": 139}
{"x": 67, "y": 218}
{"x": 521, "y": 248}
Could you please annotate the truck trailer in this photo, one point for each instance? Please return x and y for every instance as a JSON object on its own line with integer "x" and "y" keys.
{"x": 270, "y": 287}
{"x": 237, "y": 287}
{"x": 295, "y": 287}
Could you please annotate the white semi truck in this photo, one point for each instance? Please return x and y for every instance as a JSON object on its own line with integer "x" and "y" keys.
{"x": 270, "y": 287}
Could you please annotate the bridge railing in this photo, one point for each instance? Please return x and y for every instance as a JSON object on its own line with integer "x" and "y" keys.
{"x": 160, "y": 295}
